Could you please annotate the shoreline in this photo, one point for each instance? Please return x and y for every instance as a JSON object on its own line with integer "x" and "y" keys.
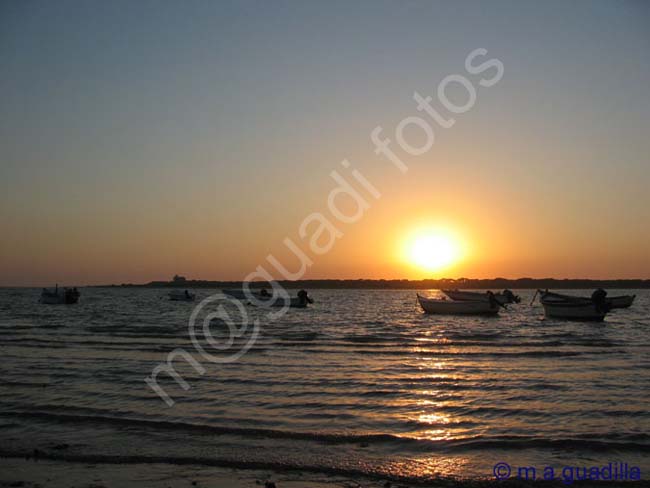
{"x": 20, "y": 472}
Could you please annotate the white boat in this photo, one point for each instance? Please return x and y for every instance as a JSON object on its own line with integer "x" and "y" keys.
{"x": 57, "y": 296}
{"x": 504, "y": 297}
{"x": 265, "y": 296}
{"x": 453, "y": 307}
{"x": 181, "y": 296}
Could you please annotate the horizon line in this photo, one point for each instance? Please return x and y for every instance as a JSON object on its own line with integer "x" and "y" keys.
{"x": 217, "y": 282}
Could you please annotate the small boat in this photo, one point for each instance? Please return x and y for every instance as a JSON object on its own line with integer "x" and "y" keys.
{"x": 460, "y": 307}
{"x": 506, "y": 296}
{"x": 559, "y": 306}
{"x": 622, "y": 301}
{"x": 56, "y": 296}
{"x": 300, "y": 301}
{"x": 181, "y": 296}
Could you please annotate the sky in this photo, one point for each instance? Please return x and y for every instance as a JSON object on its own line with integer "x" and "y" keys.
{"x": 143, "y": 139}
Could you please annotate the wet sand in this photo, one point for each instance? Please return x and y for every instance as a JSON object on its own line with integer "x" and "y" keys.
{"x": 22, "y": 473}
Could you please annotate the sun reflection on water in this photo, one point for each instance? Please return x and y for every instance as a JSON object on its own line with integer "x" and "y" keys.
{"x": 431, "y": 467}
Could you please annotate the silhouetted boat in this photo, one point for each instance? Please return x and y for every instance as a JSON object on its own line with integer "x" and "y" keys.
{"x": 622, "y": 301}
{"x": 65, "y": 296}
{"x": 264, "y": 296}
{"x": 181, "y": 296}
{"x": 462, "y": 307}
{"x": 504, "y": 297}
{"x": 559, "y": 306}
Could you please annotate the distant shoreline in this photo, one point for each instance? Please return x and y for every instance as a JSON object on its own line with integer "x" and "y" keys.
{"x": 496, "y": 283}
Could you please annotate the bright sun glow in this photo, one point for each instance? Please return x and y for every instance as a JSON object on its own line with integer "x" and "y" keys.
{"x": 433, "y": 252}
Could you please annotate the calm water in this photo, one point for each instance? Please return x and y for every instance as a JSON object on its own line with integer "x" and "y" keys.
{"x": 361, "y": 383}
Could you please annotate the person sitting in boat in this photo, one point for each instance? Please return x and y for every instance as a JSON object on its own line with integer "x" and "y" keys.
{"x": 492, "y": 299}
{"x": 510, "y": 296}
{"x": 303, "y": 297}
{"x": 599, "y": 297}
{"x": 69, "y": 296}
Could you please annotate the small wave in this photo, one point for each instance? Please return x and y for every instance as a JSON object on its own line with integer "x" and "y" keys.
{"x": 509, "y": 442}
{"x": 23, "y": 384}
{"x": 435, "y": 352}
{"x": 475, "y": 335}
{"x": 636, "y": 442}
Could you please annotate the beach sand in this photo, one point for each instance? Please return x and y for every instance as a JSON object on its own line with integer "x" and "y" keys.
{"x": 25, "y": 473}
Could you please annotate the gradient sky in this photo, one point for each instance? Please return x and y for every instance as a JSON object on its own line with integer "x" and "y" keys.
{"x": 143, "y": 139}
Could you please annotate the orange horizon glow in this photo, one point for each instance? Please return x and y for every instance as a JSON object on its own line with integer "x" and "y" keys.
{"x": 417, "y": 247}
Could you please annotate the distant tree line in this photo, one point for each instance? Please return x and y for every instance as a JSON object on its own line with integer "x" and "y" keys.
{"x": 461, "y": 283}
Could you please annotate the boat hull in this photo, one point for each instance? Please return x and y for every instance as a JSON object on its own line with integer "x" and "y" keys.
{"x": 451, "y": 307}
{"x": 59, "y": 297}
{"x": 52, "y": 299}
{"x": 623, "y": 301}
{"x": 462, "y": 296}
{"x": 240, "y": 295}
{"x": 180, "y": 296}
{"x": 586, "y": 311}
{"x": 294, "y": 302}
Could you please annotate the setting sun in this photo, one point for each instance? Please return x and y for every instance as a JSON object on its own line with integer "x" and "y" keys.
{"x": 433, "y": 251}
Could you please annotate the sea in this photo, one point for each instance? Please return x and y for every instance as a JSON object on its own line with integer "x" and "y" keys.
{"x": 361, "y": 384}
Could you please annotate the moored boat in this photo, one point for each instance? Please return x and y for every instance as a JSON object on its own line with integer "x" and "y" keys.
{"x": 181, "y": 296}
{"x": 460, "y": 307}
{"x": 504, "y": 297}
{"x": 559, "y": 306}
{"x": 56, "y": 296}
{"x": 622, "y": 301}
